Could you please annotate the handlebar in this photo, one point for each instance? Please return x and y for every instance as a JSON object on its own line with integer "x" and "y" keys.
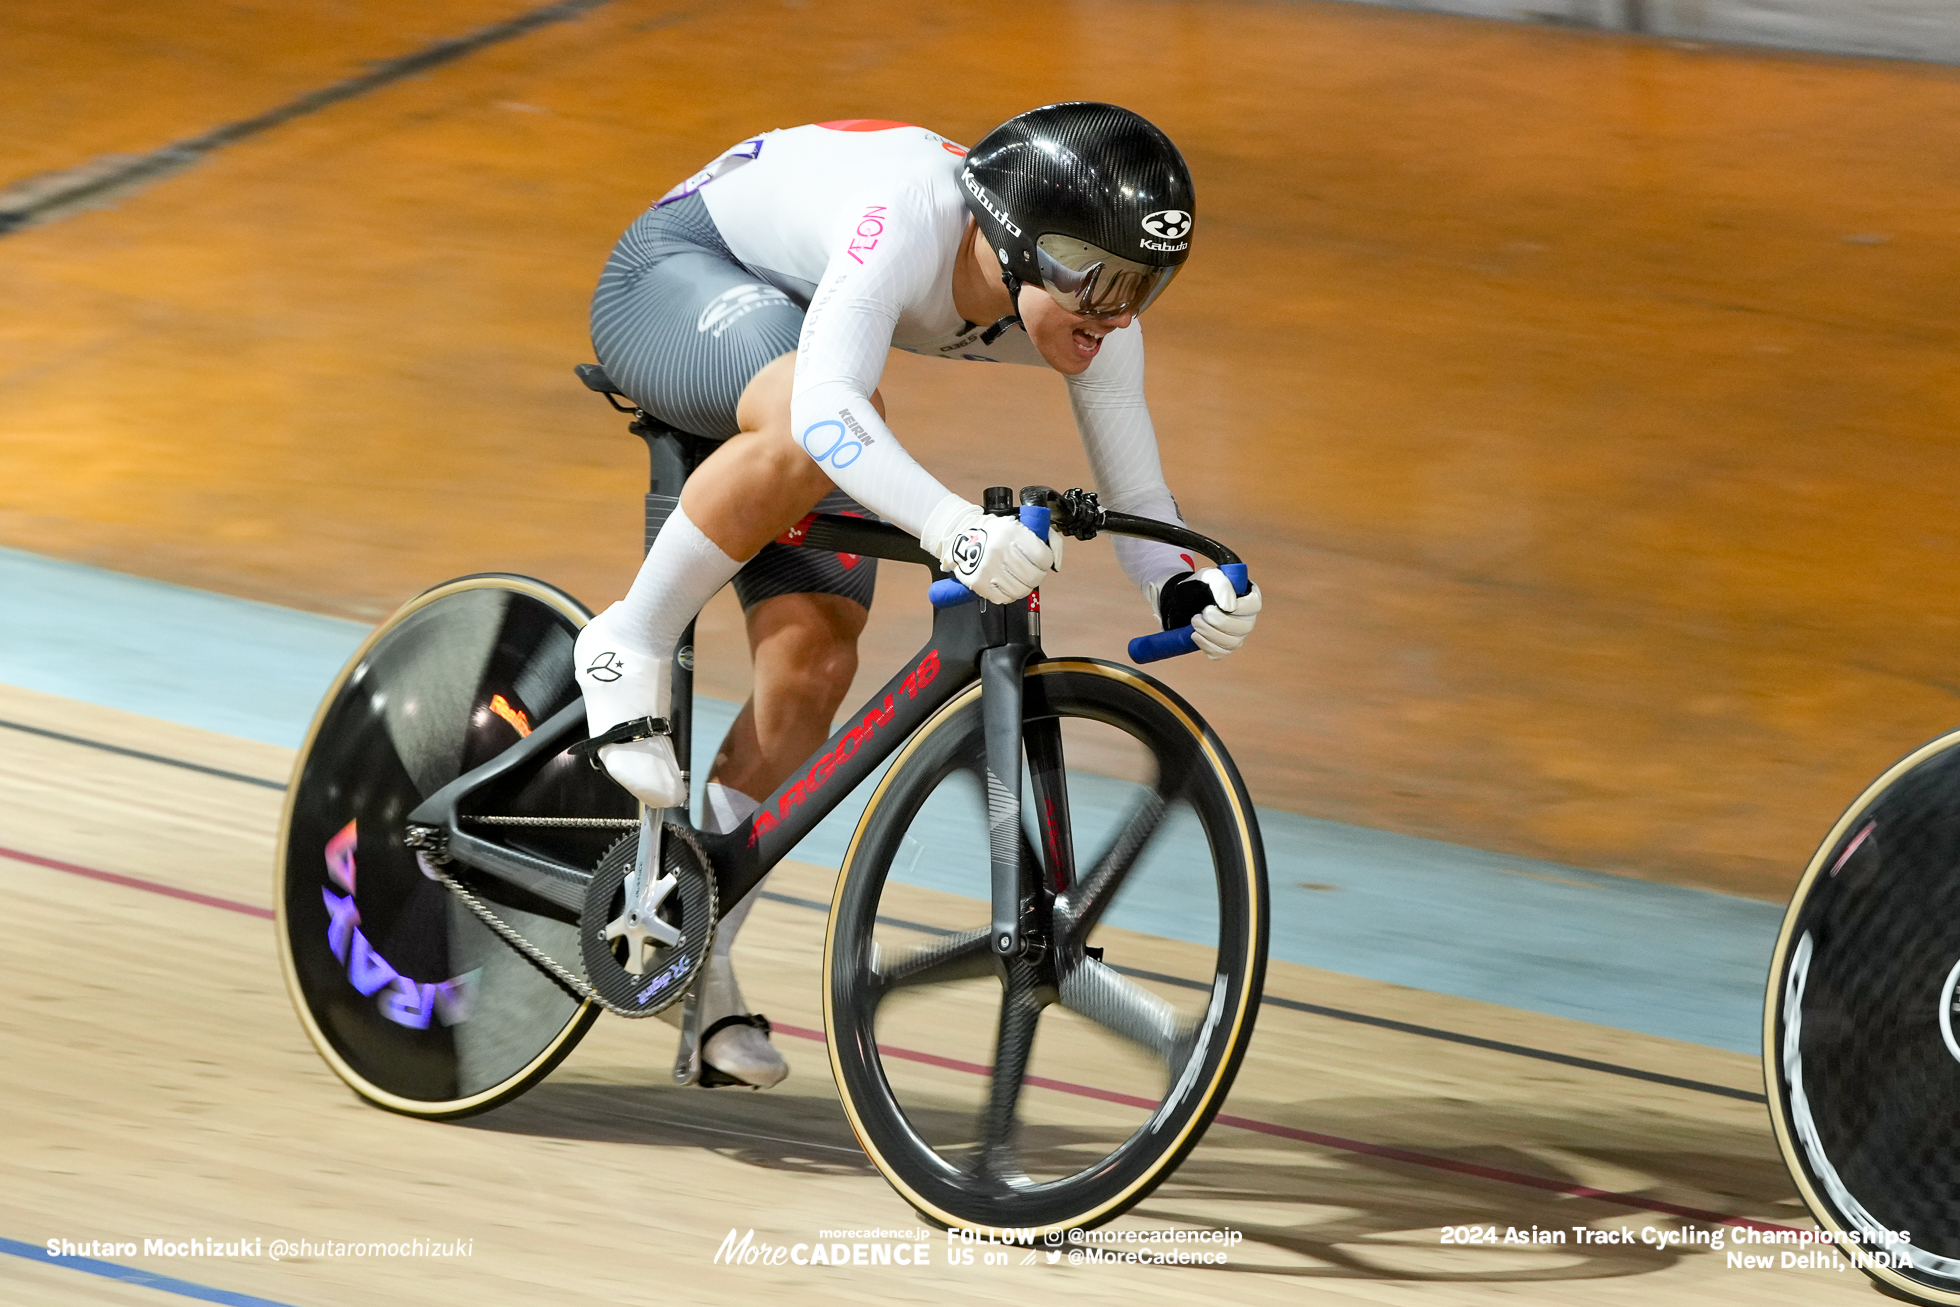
{"x": 1182, "y": 640}
{"x": 950, "y": 593}
{"x": 1076, "y": 513}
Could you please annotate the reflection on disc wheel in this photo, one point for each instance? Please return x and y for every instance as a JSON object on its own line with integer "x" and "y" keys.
{"x": 409, "y": 997}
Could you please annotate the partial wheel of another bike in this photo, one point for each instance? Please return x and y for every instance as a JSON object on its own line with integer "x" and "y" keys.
{"x": 1055, "y": 1089}
{"x": 409, "y": 996}
{"x": 1861, "y": 1029}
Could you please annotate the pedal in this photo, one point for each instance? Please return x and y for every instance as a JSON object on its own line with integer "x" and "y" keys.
{"x": 637, "y": 728}
{"x": 690, "y": 1067}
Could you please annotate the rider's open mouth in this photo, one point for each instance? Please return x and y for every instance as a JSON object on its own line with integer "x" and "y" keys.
{"x": 1087, "y": 342}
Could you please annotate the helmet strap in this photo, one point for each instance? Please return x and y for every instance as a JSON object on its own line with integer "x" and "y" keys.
{"x": 995, "y": 332}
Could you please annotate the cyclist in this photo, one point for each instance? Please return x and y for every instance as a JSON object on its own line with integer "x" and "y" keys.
{"x": 754, "y": 304}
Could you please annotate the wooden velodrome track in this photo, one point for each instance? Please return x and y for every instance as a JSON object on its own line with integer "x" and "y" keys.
{"x": 1584, "y": 402}
{"x": 157, "y": 1085}
{"x": 1581, "y": 402}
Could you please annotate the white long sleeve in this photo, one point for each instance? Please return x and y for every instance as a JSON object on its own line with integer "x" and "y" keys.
{"x": 881, "y": 248}
{"x": 891, "y": 256}
{"x": 1121, "y": 444}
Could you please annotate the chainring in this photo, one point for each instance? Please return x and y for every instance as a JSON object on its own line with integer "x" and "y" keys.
{"x": 669, "y": 971}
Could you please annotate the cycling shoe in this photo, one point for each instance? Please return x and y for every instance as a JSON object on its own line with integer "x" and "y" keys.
{"x": 623, "y": 683}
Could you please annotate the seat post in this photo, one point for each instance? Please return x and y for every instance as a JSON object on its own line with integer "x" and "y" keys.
{"x": 669, "y": 454}
{"x": 669, "y": 461}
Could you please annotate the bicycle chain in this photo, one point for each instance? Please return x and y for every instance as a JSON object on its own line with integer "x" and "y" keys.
{"x": 557, "y": 970}
{"x": 510, "y": 935}
{"x": 604, "y": 823}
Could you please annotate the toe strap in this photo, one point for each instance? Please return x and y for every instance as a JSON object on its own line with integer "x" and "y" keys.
{"x": 755, "y": 1019}
{"x": 712, "y": 1076}
{"x": 635, "y": 728}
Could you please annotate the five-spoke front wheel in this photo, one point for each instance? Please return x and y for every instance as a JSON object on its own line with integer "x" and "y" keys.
{"x": 1056, "y": 1088}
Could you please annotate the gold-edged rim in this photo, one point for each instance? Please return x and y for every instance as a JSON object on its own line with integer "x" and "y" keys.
{"x": 1240, "y": 1010}
{"x": 580, "y": 1018}
{"x": 1822, "y": 1212}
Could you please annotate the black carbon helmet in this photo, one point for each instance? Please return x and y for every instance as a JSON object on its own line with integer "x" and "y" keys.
{"x": 1087, "y": 199}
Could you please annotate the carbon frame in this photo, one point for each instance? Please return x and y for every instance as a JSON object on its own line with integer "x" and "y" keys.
{"x": 962, "y": 638}
{"x": 944, "y": 666}
{"x": 976, "y": 640}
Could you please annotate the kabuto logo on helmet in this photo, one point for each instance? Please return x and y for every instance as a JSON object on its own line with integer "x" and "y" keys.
{"x": 999, "y": 215}
{"x": 1086, "y": 183}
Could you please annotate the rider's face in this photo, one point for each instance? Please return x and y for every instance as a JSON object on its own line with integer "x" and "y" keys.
{"x": 1068, "y": 341}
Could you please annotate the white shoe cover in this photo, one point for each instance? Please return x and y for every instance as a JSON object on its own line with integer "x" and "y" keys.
{"x": 746, "y": 1053}
{"x": 621, "y": 682}
{"x": 743, "y": 1052}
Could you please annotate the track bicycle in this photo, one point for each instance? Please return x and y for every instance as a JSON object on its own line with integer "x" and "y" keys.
{"x": 460, "y": 892}
{"x": 1861, "y": 1056}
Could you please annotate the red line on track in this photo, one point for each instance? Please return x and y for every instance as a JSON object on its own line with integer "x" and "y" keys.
{"x": 1387, "y": 1152}
{"x": 138, "y": 882}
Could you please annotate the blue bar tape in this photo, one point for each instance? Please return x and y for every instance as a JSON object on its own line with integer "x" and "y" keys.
{"x": 1162, "y": 644}
{"x": 948, "y": 593}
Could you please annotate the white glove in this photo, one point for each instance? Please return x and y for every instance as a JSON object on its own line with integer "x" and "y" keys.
{"x": 1219, "y": 627}
{"x": 995, "y": 557}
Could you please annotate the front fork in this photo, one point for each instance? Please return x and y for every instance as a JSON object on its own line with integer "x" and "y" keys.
{"x": 1001, "y": 670}
{"x": 1015, "y": 728}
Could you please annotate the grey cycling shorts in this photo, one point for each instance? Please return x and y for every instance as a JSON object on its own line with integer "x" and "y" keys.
{"x": 682, "y": 328}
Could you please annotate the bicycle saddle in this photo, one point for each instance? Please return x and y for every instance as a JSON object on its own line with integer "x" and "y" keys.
{"x": 595, "y": 378}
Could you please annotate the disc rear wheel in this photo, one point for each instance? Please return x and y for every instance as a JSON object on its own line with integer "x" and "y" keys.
{"x": 411, "y": 998}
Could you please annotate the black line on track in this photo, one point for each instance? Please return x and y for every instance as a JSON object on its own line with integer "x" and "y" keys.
{"x": 1363, "y": 1019}
{"x": 1497, "y": 1045}
{"x": 87, "y": 182}
{"x": 1293, "y": 1005}
{"x": 219, "y": 772}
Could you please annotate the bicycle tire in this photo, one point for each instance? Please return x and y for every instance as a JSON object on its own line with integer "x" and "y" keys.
{"x": 975, "y": 1185}
{"x": 1860, "y": 1056}
{"x": 410, "y": 998}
